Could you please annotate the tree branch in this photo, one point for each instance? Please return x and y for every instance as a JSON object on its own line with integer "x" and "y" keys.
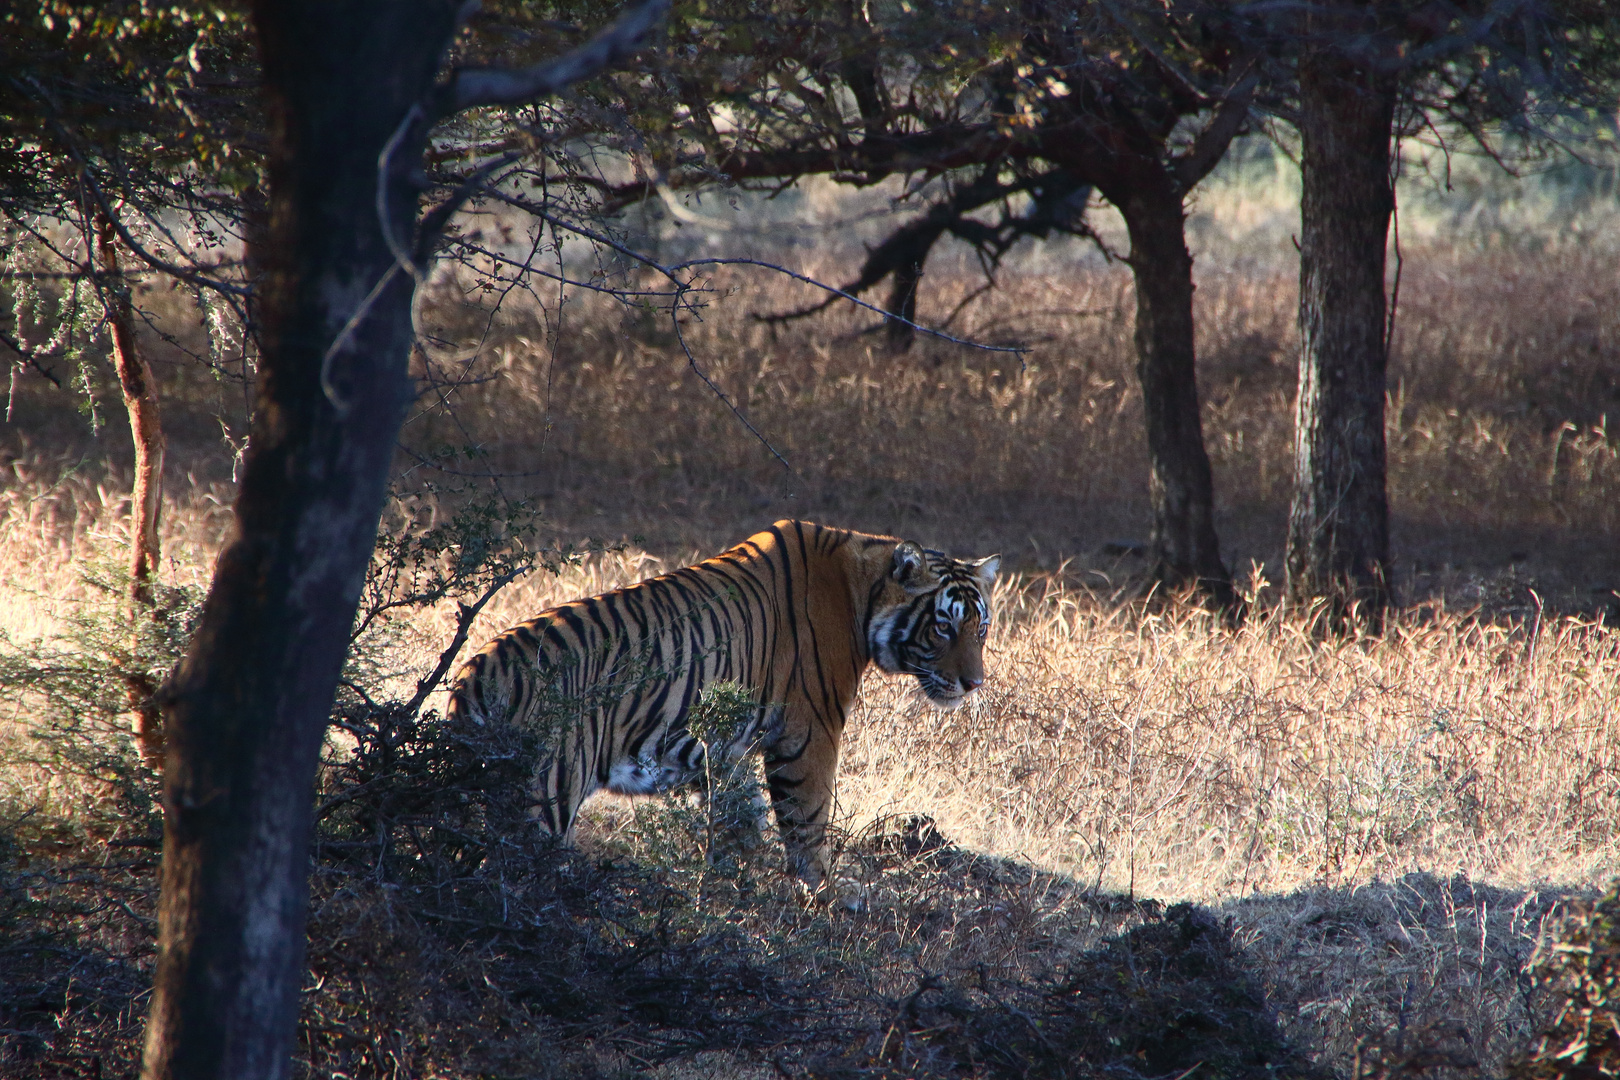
{"x": 465, "y": 614}
{"x": 196, "y": 276}
{"x": 30, "y": 356}
{"x": 472, "y": 87}
{"x": 677, "y": 273}
{"x": 941, "y": 149}
{"x": 1210, "y": 145}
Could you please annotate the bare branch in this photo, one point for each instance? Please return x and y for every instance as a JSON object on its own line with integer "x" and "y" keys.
{"x": 691, "y": 360}
{"x": 28, "y": 355}
{"x": 1210, "y": 145}
{"x": 1018, "y": 350}
{"x": 434, "y": 221}
{"x": 196, "y": 276}
{"x": 676, "y": 273}
{"x": 473, "y": 87}
{"x": 465, "y": 615}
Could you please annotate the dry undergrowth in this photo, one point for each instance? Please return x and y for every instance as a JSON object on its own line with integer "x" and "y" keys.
{"x": 1500, "y": 446}
{"x": 1386, "y": 823}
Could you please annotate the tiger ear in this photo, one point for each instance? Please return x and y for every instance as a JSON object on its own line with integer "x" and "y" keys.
{"x": 910, "y": 568}
{"x": 985, "y": 570}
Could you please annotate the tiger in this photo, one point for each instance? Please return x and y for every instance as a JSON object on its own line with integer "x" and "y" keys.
{"x": 794, "y": 614}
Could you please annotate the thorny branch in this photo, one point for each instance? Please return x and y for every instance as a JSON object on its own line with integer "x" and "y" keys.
{"x": 467, "y": 89}
{"x": 466, "y": 614}
{"x": 30, "y": 357}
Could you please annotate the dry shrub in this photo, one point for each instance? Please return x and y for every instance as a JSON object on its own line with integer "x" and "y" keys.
{"x": 448, "y": 936}
{"x": 1577, "y": 969}
{"x": 1416, "y": 975}
{"x": 76, "y": 948}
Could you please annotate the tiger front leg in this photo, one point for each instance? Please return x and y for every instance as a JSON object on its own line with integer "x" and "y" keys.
{"x": 555, "y": 793}
{"x": 803, "y": 799}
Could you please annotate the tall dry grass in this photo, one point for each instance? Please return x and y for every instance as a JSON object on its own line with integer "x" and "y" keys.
{"x": 1155, "y": 754}
{"x": 1388, "y": 821}
{"x": 1147, "y": 752}
{"x": 1501, "y": 448}
{"x": 1505, "y": 492}
{"x": 1501, "y": 452}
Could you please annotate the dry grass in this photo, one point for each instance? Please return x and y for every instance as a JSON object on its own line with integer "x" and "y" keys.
{"x": 1500, "y": 448}
{"x": 1157, "y": 755}
{"x": 1388, "y": 822}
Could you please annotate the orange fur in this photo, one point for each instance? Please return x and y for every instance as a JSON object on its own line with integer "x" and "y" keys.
{"x": 794, "y": 613}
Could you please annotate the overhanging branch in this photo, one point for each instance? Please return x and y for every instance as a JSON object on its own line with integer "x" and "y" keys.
{"x": 472, "y": 87}
{"x": 1057, "y": 204}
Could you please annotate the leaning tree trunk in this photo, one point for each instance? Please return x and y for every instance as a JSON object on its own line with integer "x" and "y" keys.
{"x": 251, "y": 701}
{"x": 146, "y": 498}
{"x": 1184, "y": 546}
{"x": 1338, "y": 527}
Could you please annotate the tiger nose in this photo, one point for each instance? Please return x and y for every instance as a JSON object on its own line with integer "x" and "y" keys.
{"x": 972, "y": 682}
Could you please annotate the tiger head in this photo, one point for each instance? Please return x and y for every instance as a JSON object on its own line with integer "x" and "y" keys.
{"x": 929, "y": 618}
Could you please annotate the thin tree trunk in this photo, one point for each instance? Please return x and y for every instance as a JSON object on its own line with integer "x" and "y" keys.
{"x": 146, "y": 499}
{"x": 1184, "y": 545}
{"x": 251, "y": 701}
{"x": 1338, "y": 527}
{"x": 907, "y": 277}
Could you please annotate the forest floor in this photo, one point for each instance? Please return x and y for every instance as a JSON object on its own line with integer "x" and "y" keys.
{"x": 1149, "y": 845}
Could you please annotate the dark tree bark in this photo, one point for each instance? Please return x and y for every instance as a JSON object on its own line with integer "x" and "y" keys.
{"x": 251, "y": 701}
{"x": 351, "y": 95}
{"x": 146, "y": 497}
{"x": 1184, "y": 545}
{"x": 1338, "y": 528}
{"x": 898, "y": 334}
{"x": 1131, "y": 163}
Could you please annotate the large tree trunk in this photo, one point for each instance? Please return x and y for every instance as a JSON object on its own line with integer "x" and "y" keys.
{"x": 146, "y": 498}
{"x": 1338, "y": 528}
{"x": 1184, "y": 546}
{"x": 251, "y": 702}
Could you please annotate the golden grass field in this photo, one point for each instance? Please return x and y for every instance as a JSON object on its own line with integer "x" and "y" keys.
{"x": 1387, "y": 821}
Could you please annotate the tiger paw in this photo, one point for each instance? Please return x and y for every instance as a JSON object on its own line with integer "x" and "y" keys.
{"x": 840, "y": 894}
{"x": 849, "y": 895}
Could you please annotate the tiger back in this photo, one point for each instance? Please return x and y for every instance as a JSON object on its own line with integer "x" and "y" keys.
{"x": 794, "y": 614}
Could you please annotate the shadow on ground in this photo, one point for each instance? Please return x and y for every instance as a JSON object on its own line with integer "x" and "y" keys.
{"x": 447, "y": 939}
